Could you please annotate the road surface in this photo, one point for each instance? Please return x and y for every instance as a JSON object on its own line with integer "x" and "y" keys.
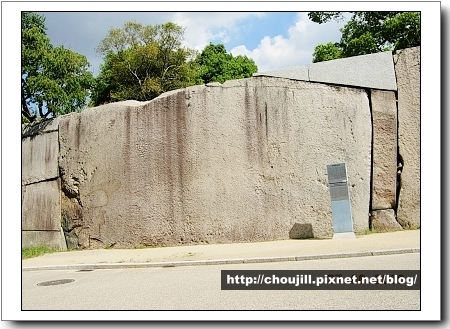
{"x": 199, "y": 288}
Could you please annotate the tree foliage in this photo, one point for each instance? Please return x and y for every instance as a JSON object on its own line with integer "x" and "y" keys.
{"x": 55, "y": 80}
{"x": 369, "y": 32}
{"x": 216, "y": 65}
{"x": 141, "y": 62}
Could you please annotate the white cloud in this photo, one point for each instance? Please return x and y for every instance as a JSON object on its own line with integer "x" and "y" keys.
{"x": 274, "y": 52}
{"x": 202, "y": 28}
{"x": 83, "y": 31}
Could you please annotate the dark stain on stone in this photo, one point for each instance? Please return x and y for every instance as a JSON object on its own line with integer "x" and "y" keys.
{"x": 127, "y": 146}
{"x": 168, "y": 125}
{"x": 181, "y": 140}
{"x": 254, "y": 131}
{"x": 267, "y": 122}
{"x": 48, "y": 154}
{"x": 77, "y": 132}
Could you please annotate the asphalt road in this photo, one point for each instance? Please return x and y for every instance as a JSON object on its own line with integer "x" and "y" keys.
{"x": 199, "y": 288}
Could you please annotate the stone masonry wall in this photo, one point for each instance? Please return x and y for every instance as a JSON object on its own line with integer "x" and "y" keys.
{"x": 41, "y": 192}
{"x": 235, "y": 162}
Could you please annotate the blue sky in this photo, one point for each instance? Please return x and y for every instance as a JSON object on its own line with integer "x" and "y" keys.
{"x": 272, "y": 39}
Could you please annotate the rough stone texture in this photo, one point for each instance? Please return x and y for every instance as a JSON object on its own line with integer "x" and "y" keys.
{"x": 51, "y": 239}
{"x": 242, "y": 161}
{"x": 407, "y": 68}
{"x": 41, "y": 206}
{"x": 369, "y": 71}
{"x": 384, "y": 220}
{"x": 301, "y": 231}
{"x": 384, "y": 116}
{"x": 40, "y": 158}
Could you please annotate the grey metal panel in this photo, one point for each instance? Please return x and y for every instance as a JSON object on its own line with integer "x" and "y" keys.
{"x": 340, "y": 198}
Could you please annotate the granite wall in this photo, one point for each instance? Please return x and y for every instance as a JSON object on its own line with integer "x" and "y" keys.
{"x": 235, "y": 162}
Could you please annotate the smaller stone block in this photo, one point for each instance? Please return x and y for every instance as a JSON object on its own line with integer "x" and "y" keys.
{"x": 301, "y": 231}
{"x": 41, "y": 207}
{"x": 50, "y": 239}
{"x": 45, "y": 126}
{"x": 40, "y": 158}
{"x": 384, "y": 220}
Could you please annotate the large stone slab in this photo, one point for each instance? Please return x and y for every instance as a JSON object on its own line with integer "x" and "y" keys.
{"x": 40, "y": 157}
{"x": 407, "y": 69}
{"x": 295, "y": 73}
{"x": 368, "y": 71}
{"x": 41, "y": 206}
{"x": 384, "y": 116}
{"x": 238, "y": 162}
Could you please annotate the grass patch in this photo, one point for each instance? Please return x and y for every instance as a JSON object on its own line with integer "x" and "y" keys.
{"x": 31, "y": 252}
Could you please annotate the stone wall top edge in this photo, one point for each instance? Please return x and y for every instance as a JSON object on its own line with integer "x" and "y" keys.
{"x": 40, "y": 127}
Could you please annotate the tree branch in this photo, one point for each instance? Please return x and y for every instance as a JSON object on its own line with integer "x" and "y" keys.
{"x": 134, "y": 73}
{"x": 26, "y": 111}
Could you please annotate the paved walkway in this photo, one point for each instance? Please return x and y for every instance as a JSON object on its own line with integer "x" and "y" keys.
{"x": 281, "y": 250}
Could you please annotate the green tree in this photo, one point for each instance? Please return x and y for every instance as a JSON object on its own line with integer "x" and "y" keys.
{"x": 369, "y": 32}
{"x": 326, "y": 52}
{"x": 216, "y": 65}
{"x": 55, "y": 80}
{"x": 141, "y": 62}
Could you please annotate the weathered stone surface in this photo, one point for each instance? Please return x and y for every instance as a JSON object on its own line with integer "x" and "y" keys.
{"x": 41, "y": 127}
{"x": 369, "y": 71}
{"x": 41, "y": 206}
{"x": 51, "y": 239}
{"x": 407, "y": 69}
{"x": 384, "y": 116}
{"x": 40, "y": 158}
{"x": 72, "y": 221}
{"x": 242, "y": 161}
{"x": 295, "y": 73}
{"x": 384, "y": 220}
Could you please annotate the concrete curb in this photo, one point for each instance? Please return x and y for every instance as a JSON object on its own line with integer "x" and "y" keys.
{"x": 219, "y": 261}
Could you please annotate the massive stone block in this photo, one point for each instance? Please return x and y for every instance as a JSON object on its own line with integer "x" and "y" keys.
{"x": 242, "y": 161}
{"x": 407, "y": 69}
{"x": 375, "y": 71}
{"x": 40, "y": 157}
{"x": 384, "y": 116}
{"x": 41, "y": 206}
